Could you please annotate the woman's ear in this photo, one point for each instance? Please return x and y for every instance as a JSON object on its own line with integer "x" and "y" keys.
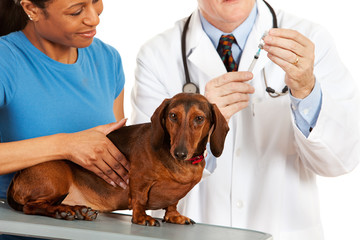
{"x": 31, "y": 10}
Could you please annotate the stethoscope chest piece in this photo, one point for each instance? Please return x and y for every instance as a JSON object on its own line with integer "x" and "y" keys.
{"x": 190, "y": 88}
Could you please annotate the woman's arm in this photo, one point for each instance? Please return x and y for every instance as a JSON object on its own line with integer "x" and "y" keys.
{"x": 90, "y": 149}
{"x": 118, "y": 107}
{"x": 17, "y": 155}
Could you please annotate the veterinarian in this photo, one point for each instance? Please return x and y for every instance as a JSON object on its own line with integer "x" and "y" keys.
{"x": 61, "y": 89}
{"x": 292, "y": 118}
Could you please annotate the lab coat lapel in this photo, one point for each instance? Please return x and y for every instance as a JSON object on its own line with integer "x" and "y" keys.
{"x": 201, "y": 51}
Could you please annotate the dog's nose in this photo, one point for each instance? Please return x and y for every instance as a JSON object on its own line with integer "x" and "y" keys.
{"x": 180, "y": 154}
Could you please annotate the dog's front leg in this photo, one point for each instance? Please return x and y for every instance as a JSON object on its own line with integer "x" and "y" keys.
{"x": 173, "y": 216}
{"x": 139, "y": 201}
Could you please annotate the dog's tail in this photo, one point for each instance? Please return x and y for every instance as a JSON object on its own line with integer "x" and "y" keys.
{"x": 10, "y": 200}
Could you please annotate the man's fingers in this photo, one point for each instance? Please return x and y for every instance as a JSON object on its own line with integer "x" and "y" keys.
{"x": 230, "y": 88}
{"x": 232, "y": 99}
{"x": 276, "y": 44}
{"x": 285, "y": 55}
{"x": 232, "y": 77}
{"x": 230, "y": 110}
{"x": 289, "y": 34}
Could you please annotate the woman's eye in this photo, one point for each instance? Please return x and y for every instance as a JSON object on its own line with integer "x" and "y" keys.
{"x": 77, "y": 12}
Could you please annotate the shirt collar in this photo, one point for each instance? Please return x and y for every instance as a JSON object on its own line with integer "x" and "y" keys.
{"x": 241, "y": 33}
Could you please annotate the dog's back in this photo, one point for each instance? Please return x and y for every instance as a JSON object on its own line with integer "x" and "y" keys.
{"x": 162, "y": 168}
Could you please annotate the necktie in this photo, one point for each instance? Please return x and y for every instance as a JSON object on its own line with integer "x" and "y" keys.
{"x": 224, "y": 50}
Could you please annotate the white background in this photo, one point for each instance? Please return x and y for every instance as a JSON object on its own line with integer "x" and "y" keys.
{"x": 126, "y": 25}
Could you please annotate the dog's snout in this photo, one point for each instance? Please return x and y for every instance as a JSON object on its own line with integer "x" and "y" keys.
{"x": 180, "y": 153}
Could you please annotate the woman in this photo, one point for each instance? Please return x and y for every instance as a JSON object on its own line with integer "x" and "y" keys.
{"x": 61, "y": 89}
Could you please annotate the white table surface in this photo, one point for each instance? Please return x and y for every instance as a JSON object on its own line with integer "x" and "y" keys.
{"x": 113, "y": 226}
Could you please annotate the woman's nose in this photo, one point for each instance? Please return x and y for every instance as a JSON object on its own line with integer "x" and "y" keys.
{"x": 92, "y": 18}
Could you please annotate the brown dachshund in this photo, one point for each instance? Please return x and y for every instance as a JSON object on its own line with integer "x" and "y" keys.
{"x": 165, "y": 164}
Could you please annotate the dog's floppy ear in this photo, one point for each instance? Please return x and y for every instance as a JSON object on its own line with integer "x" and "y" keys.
{"x": 217, "y": 138}
{"x": 157, "y": 125}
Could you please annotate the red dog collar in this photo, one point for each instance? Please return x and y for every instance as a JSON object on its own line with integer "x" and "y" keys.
{"x": 198, "y": 159}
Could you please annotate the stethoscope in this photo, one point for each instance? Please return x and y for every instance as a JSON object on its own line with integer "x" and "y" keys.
{"x": 190, "y": 87}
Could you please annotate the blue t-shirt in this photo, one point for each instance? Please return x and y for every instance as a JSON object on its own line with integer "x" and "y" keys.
{"x": 40, "y": 96}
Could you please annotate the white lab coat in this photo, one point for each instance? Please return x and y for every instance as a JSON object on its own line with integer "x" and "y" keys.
{"x": 266, "y": 177}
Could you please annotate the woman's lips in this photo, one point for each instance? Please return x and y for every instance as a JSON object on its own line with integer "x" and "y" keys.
{"x": 88, "y": 34}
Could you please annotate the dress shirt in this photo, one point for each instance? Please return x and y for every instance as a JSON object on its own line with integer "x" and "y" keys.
{"x": 305, "y": 111}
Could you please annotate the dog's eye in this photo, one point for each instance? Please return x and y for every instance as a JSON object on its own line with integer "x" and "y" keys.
{"x": 173, "y": 116}
{"x": 199, "y": 119}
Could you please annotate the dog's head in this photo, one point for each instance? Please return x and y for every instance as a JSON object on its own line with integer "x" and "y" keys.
{"x": 184, "y": 123}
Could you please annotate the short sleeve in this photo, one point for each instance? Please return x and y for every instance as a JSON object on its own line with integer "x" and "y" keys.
{"x": 114, "y": 67}
{"x": 120, "y": 76}
{"x": 7, "y": 74}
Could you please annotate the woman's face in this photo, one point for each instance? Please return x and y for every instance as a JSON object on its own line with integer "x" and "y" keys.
{"x": 225, "y": 15}
{"x": 69, "y": 23}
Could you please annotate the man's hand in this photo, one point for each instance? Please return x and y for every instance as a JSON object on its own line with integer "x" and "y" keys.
{"x": 295, "y": 54}
{"x": 230, "y": 92}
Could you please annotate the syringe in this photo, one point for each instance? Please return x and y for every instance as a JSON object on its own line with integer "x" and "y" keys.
{"x": 256, "y": 56}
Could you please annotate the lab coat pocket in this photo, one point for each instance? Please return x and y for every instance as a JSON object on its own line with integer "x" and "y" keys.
{"x": 272, "y": 130}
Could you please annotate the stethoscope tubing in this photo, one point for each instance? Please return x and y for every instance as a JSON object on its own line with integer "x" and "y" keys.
{"x": 192, "y": 87}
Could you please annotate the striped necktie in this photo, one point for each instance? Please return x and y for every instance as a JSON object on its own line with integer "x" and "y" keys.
{"x": 224, "y": 50}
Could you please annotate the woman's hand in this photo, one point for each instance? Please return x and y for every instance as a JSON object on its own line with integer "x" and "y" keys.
{"x": 295, "y": 54}
{"x": 230, "y": 92}
{"x": 92, "y": 150}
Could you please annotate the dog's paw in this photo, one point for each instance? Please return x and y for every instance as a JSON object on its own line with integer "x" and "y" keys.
{"x": 76, "y": 212}
{"x": 178, "y": 219}
{"x": 146, "y": 221}
{"x": 85, "y": 213}
{"x": 64, "y": 215}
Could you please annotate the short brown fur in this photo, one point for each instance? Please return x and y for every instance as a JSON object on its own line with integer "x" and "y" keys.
{"x": 160, "y": 173}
